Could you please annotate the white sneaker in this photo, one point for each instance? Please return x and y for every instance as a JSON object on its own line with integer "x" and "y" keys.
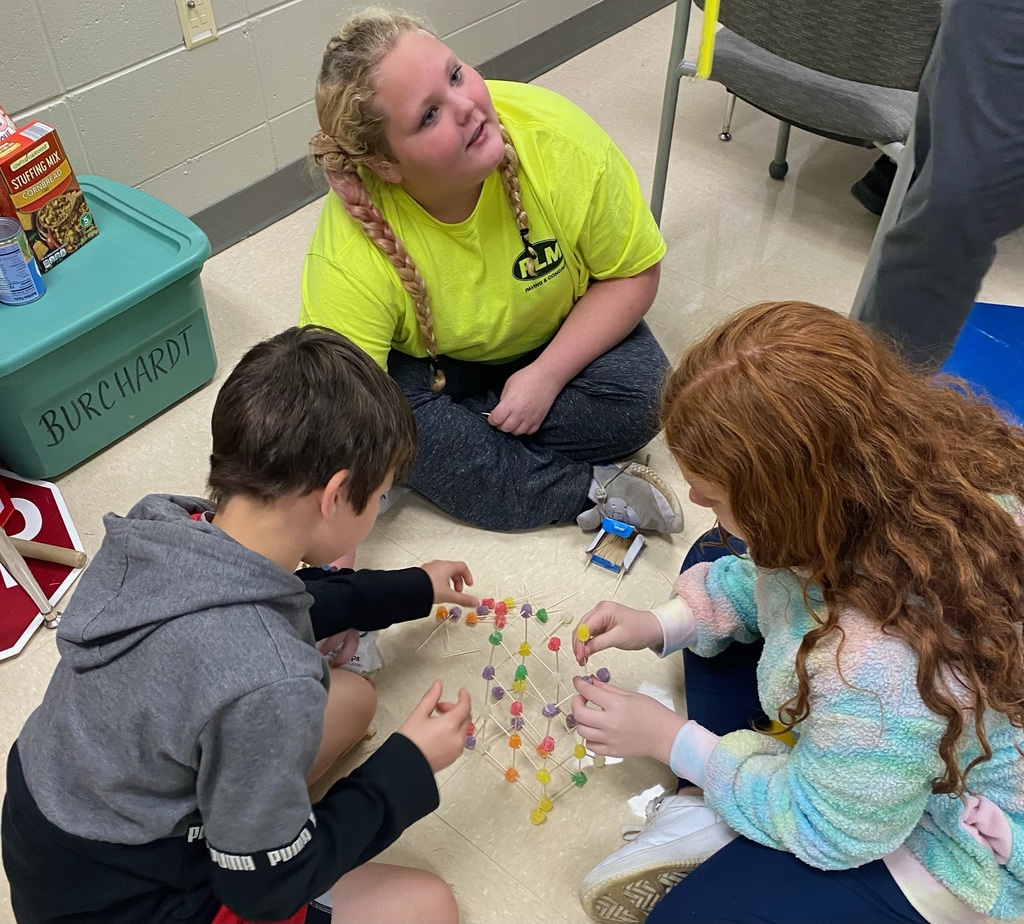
{"x": 367, "y": 660}
{"x": 681, "y": 832}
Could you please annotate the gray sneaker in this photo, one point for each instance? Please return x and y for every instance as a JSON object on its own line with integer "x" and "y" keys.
{"x": 635, "y": 494}
{"x": 681, "y": 832}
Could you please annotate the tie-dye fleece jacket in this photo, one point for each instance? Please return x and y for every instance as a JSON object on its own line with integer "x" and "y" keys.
{"x": 856, "y": 786}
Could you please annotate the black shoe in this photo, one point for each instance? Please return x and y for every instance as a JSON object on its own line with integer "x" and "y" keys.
{"x": 872, "y": 189}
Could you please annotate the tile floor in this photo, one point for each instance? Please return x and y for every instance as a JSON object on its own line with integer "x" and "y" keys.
{"x": 734, "y": 236}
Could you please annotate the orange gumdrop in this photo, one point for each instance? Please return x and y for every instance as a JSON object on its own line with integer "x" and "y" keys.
{"x": 511, "y": 774}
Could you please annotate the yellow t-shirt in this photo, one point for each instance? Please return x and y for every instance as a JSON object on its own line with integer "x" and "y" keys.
{"x": 588, "y": 220}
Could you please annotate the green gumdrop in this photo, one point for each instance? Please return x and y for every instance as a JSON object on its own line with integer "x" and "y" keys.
{"x": 579, "y": 779}
{"x": 542, "y": 615}
{"x": 521, "y": 672}
{"x": 494, "y": 638}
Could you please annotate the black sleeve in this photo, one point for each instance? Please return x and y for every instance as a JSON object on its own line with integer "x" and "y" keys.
{"x": 365, "y": 599}
{"x": 361, "y": 815}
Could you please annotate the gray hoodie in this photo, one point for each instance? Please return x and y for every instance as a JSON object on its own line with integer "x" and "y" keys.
{"x": 183, "y": 656}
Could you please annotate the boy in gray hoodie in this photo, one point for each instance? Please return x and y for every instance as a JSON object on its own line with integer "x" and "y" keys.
{"x": 164, "y": 776}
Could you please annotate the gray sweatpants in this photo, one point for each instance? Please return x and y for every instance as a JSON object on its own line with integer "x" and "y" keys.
{"x": 491, "y": 479}
{"x": 969, "y": 186}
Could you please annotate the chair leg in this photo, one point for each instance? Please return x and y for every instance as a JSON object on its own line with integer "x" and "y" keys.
{"x": 668, "y": 106}
{"x": 730, "y": 104}
{"x": 778, "y": 168}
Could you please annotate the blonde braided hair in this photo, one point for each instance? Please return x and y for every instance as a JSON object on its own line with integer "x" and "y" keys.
{"x": 352, "y": 135}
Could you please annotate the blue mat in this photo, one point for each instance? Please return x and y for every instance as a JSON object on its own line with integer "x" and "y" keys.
{"x": 989, "y": 353}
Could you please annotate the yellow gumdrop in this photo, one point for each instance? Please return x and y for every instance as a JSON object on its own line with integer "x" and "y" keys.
{"x": 579, "y": 752}
{"x": 583, "y": 632}
{"x": 509, "y": 602}
{"x": 537, "y": 816}
{"x": 518, "y": 686}
{"x": 545, "y": 805}
{"x": 543, "y": 777}
{"x": 524, "y": 649}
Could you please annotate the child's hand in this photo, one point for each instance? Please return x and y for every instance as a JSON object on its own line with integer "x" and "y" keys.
{"x": 626, "y": 724}
{"x": 525, "y": 401}
{"x": 448, "y": 578}
{"x": 613, "y": 625}
{"x": 339, "y": 647}
{"x": 440, "y": 737}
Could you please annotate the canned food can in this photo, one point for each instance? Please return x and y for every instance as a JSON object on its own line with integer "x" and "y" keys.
{"x": 20, "y": 279}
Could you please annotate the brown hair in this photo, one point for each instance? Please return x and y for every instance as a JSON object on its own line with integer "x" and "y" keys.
{"x": 877, "y": 483}
{"x": 302, "y": 406}
{"x": 352, "y": 135}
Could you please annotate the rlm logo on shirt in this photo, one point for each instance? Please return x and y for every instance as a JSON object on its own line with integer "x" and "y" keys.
{"x": 549, "y": 258}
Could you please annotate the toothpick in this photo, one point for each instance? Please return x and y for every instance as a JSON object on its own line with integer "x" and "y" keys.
{"x": 459, "y": 654}
{"x": 437, "y": 629}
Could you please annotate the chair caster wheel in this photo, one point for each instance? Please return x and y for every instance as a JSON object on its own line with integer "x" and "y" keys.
{"x": 725, "y": 136}
{"x": 777, "y": 171}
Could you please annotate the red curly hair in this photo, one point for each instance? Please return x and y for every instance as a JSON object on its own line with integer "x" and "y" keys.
{"x": 878, "y": 484}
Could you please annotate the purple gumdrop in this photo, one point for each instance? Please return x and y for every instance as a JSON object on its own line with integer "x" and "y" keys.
{"x": 570, "y": 721}
{"x": 482, "y": 610}
{"x": 517, "y": 722}
{"x": 470, "y": 742}
{"x": 488, "y": 673}
{"x": 550, "y": 710}
{"x": 498, "y": 692}
{"x": 603, "y": 674}
{"x": 589, "y": 678}
{"x": 526, "y": 611}
{"x": 455, "y": 612}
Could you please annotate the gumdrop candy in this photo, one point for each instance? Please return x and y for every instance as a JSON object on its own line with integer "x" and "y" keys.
{"x": 488, "y": 672}
{"x": 541, "y": 752}
{"x": 455, "y": 612}
{"x": 543, "y": 777}
{"x": 579, "y": 752}
{"x": 512, "y": 774}
{"x": 542, "y": 615}
{"x": 500, "y": 609}
{"x": 471, "y": 618}
{"x": 516, "y": 723}
{"x": 521, "y": 672}
{"x": 570, "y": 721}
{"x": 442, "y": 613}
{"x": 587, "y": 678}
{"x": 554, "y": 643}
{"x": 472, "y": 729}
{"x": 509, "y": 601}
{"x": 516, "y": 708}
{"x": 550, "y": 710}
{"x": 545, "y": 805}
{"x": 538, "y": 816}
{"x": 482, "y": 610}
{"x": 470, "y": 742}
{"x": 499, "y": 621}
{"x": 488, "y": 602}
{"x": 514, "y": 742}
{"x": 603, "y": 674}
{"x": 498, "y": 693}
{"x": 579, "y": 779}
{"x": 524, "y": 649}
{"x": 526, "y": 611}
{"x": 518, "y": 686}
{"x": 494, "y": 638}
{"x": 547, "y": 744}
{"x": 583, "y": 632}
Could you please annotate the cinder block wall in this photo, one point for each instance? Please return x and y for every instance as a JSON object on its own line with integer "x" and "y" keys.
{"x": 192, "y": 127}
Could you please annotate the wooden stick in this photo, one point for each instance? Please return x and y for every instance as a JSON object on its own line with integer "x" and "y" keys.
{"x": 459, "y": 654}
{"x": 437, "y": 629}
{"x": 58, "y": 555}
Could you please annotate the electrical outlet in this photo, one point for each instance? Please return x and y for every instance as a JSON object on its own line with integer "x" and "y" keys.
{"x": 197, "y": 25}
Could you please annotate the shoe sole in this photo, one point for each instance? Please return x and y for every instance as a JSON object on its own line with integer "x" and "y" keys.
{"x": 649, "y": 475}
{"x": 629, "y": 898}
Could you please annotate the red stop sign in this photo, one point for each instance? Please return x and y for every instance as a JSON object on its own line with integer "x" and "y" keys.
{"x": 39, "y": 514}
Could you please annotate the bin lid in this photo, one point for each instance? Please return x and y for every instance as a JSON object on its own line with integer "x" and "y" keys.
{"x": 143, "y": 245}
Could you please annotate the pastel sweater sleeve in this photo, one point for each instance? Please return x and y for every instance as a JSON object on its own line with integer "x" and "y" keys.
{"x": 712, "y": 606}
{"x": 858, "y": 779}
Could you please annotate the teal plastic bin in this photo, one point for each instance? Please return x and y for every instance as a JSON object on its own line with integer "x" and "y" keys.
{"x": 120, "y": 335}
